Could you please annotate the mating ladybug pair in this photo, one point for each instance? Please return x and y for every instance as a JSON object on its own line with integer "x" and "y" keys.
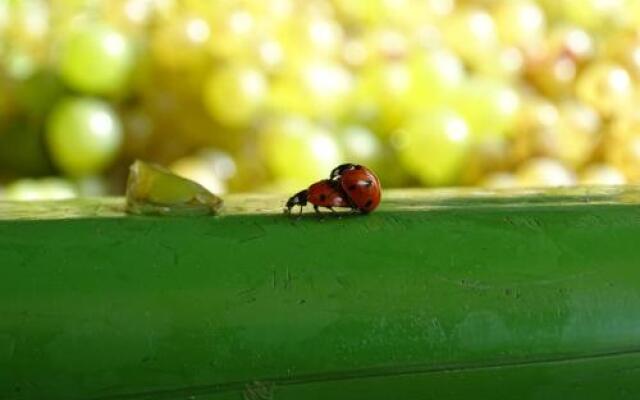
{"x": 349, "y": 186}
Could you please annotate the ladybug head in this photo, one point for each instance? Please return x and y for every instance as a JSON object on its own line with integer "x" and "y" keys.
{"x": 298, "y": 199}
{"x": 340, "y": 169}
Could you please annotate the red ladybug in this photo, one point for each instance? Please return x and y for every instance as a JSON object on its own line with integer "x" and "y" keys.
{"x": 325, "y": 193}
{"x": 360, "y": 185}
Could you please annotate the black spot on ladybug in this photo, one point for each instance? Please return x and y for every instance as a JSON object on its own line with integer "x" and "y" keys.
{"x": 368, "y": 203}
{"x": 323, "y": 197}
{"x": 358, "y": 167}
{"x": 352, "y": 187}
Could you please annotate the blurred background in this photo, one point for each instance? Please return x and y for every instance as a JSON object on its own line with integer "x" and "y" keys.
{"x": 270, "y": 95}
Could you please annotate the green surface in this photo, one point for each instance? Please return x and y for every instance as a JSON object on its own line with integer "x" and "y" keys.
{"x": 437, "y": 295}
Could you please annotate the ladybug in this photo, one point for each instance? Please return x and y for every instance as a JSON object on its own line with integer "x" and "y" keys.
{"x": 360, "y": 185}
{"x": 325, "y": 193}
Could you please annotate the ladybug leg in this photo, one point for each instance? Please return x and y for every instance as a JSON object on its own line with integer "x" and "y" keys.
{"x": 334, "y": 212}
{"x": 318, "y": 212}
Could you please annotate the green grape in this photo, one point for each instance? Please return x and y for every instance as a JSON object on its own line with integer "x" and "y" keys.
{"x": 27, "y": 19}
{"x": 319, "y": 37}
{"x": 491, "y": 154}
{"x": 520, "y": 22}
{"x": 436, "y": 75}
{"x": 381, "y": 44}
{"x": 503, "y": 64}
{"x": 568, "y": 132}
{"x": 433, "y": 147}
{"x": 594, "y": 14}
{"x": 367, "y": 11}
{"x": 553, "y": 76}
{"x": 83, "y": 135}
{"x": 270, "y": 55}
{"x": 316, "y": 89}
{"x": 472, "y": 34}
{"x": 383, "y": 95}
{"x": 19, "y": 64}
{"x": 602, "y": 174}
{"x": 489, "y": 106}
{"x": 234, "y": 95}
{"x": 96, "y": 60}
{"x": 552, "y": 8}
{"x": 624, "y": 47}
{"x": 536, "y": 117}
{"x": 632, "y": 14}
{"x": 570, "y": 41}
{"x": 181, "y": 43}
{"x": 576, "y": 136}
{"x": 360, "y": 144}
{"x": 130, "y": 15}
{"x": 622, "y": 145}
{"x": 233, "y": 33}
{"x": 607, "y": 87}
{"x": 554, "y": 65}
{"x": 298, "y": 152}
{"x": 544, "y": 172}
{"x": 5, "y": 17}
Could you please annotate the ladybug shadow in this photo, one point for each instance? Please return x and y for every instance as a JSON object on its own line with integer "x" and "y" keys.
{"x": 322, "y": 216}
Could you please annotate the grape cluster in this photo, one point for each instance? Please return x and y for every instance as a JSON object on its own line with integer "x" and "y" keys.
{"x": 249, "y": 95}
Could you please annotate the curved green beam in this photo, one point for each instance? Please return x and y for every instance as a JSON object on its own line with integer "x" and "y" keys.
{"x": 438, "y": 294}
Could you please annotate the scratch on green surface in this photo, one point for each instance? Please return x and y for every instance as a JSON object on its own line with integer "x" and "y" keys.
{"x": 264, "y": 389}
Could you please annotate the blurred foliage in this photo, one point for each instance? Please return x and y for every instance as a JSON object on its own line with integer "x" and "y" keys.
{"x": 259, "y": 95}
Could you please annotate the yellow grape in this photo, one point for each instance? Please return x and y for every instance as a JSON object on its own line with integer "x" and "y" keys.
{"x": 602, "y": 174}
{"x": 520, "y": 22}
{"x": 544, "y": 172}
{"x": 500, "y": 180}
{"x": 607, "y": 87}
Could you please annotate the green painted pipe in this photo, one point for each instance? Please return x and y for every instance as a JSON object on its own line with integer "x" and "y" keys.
{"x": 437, "y": 295}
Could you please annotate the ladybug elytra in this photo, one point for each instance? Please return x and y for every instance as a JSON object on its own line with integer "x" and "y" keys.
{"x": 325, "y": 193}
{"x": 360, "y": 184}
